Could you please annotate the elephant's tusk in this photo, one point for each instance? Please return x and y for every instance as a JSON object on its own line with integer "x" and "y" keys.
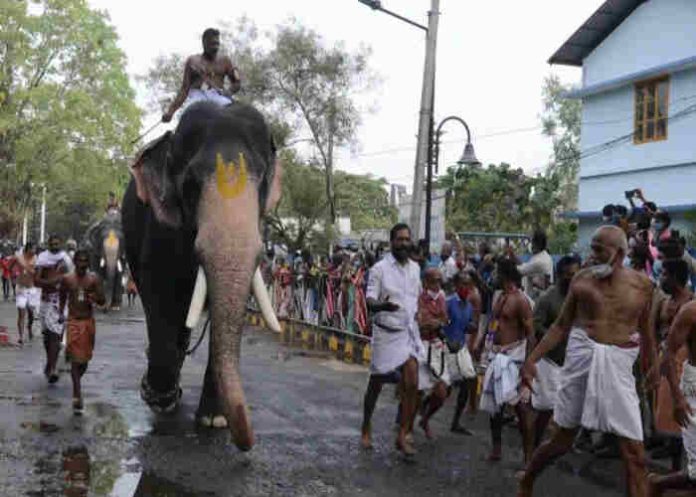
{"x": 102, "y": 262}
{"x": 118, "y": 265}
{"x": 264, "y": 300}
{"x": 197, "y": 300}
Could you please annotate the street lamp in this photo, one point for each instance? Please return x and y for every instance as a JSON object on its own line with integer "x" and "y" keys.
{"x": 468, "y": 158}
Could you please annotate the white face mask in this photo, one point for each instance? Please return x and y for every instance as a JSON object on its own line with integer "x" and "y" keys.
{"x": 604, "y": 270}
{"x": 433, "y": 294}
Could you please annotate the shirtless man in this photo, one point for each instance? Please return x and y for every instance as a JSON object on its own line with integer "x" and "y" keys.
{"x": 27, "y": 294}
{"x": 513, "y": 337}
{"x": 204, "y": 76}
{"x": 673, "y": 280}
{"x": 682, "y": 334}
{"x": 606, "y": 319}
{"x": 80, "y": 290}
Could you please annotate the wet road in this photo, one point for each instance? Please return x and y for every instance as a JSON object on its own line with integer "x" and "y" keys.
{"x": 306, "y": 410}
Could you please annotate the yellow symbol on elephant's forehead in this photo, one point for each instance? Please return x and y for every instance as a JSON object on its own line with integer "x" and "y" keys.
{"x": 111, "y": 239}
{"x": 231, "y": 179}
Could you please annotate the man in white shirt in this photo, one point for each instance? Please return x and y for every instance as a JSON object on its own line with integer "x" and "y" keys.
{"x": 537, "y": 272}
{"x": 392, "y": 297}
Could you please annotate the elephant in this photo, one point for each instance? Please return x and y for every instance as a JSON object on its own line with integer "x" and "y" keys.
{"x": 104, "y": 239}
{"x": 191, "y": 215}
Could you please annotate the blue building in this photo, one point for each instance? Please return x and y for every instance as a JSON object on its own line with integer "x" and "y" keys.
{"x": 638, "y": 60}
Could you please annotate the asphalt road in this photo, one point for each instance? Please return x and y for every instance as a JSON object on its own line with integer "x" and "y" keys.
{"x": 306, "y": 411}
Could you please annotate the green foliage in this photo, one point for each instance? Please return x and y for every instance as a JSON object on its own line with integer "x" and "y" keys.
{"x": 303, "y": 85}
{"x": 67, "y": 111}
{"x": 299, "y": 219}
{"x": 561, "y": 120}
{"x": 499, "y": 198}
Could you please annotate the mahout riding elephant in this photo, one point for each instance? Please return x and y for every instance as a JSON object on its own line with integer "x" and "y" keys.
{"x": 195, "y": 202}
{"x": 104, "y": 240}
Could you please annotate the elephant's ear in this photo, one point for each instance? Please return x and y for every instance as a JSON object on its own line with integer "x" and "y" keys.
{"x": 153, "y": 180}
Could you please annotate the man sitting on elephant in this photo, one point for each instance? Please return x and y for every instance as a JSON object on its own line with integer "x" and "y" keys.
{"x": 191, "y": 215}
{"x": 204, "y": 76}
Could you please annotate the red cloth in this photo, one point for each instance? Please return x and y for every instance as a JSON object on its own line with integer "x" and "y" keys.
{"x": 81, "y": 334}
{"x": 5, "y": 264}
{"x": 431, "y": 309}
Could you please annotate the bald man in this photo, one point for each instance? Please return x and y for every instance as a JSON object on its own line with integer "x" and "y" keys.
{"x": 606, "y": 320}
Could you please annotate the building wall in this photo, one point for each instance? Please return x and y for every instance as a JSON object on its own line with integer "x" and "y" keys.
{"x": 666, "y": 170}
{"x": 659, "y": 31}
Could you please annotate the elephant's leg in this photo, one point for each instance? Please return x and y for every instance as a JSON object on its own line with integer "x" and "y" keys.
{"x": 160, "y": 385}
{"x": 210, "y": 411}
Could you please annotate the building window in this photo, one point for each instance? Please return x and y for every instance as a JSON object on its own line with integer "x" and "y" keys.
{"x": 652, "y": 103}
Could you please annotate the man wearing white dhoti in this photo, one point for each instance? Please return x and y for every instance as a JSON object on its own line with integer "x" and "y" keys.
{"x": 682, "y": 333}
{"x": 392, "y": 297}
{"x": 204, "y": 77}
{"x": 546, "y": 311}
{"x": 513, "y": 335}
{"x": 604, "y": 307}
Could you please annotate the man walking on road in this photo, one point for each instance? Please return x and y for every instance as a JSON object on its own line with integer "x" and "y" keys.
{"x": 51, "y": 265}
{"x": 513, "y": 338}
{"x": 392, "y": 296}
{"x": 546, "y": 311}
{"x": 27, "y": 300}
{"x": 80, "y": 290}
{"x": 606, "y": 304}
{"x": 537, "y": 273}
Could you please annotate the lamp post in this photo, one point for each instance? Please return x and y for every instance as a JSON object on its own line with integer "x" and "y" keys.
{"x": 468, "y": 158}
{"x": 426, "y": 107}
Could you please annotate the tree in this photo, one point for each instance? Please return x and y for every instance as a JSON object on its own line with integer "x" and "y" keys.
{"x": 561, "y": 121}
{"x": 67, "y": 111}
{"x": 299, "y": 221}
{"x": 303, "y": 85}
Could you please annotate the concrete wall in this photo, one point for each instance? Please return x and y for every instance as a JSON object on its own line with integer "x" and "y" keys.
{"x": 658, "y": 32}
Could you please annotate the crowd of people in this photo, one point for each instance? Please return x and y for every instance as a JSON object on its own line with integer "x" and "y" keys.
{"x": 56, "y": 287}
{"x": 596, "y": 354}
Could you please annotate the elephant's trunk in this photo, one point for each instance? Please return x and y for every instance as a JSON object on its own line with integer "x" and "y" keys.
{"x": 110, "y": 250}
{"x": 228, "y": 244}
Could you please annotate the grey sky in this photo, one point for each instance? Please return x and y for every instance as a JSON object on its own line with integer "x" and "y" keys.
{"x": 490, "y": 67}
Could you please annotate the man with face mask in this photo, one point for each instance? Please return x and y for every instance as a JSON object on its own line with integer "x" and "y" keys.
{"x": 546, "y": 311}
{"x": 606, "y": 320}
{"x": 448, "y": 264}
{"x": 392, "y": 297}
{"x": 51, "y": 265}
{"x": 673, "y": 282}
{"x": 204, "y": 76}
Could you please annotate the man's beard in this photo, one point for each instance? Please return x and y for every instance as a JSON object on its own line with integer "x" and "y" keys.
{"x": 400, "y": 253}
{"x": 668, "y": 289}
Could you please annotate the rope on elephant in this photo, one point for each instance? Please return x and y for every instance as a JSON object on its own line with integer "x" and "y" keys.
{"x": 200, "y": 339}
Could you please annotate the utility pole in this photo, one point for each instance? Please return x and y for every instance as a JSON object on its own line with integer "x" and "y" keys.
{"x": 425, "y": 118}
{"x": 43, "y": 214}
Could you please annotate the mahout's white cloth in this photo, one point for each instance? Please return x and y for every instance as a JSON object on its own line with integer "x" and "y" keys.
{"x": 597, "y": 388}
{"x": 502, "y": 379}
{"x": 209, "y": 95}
{"x": 688, "y": 387}
{"x": 545, "y": 385}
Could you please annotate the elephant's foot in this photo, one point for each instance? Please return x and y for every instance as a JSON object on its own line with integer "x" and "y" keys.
{"x": 209, "y": 414}
{"x": 218, "y": 421}
{"x": 160, "y": 402}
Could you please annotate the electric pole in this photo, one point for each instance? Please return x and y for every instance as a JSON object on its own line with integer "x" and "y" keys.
{"x": 425, "y": 118}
